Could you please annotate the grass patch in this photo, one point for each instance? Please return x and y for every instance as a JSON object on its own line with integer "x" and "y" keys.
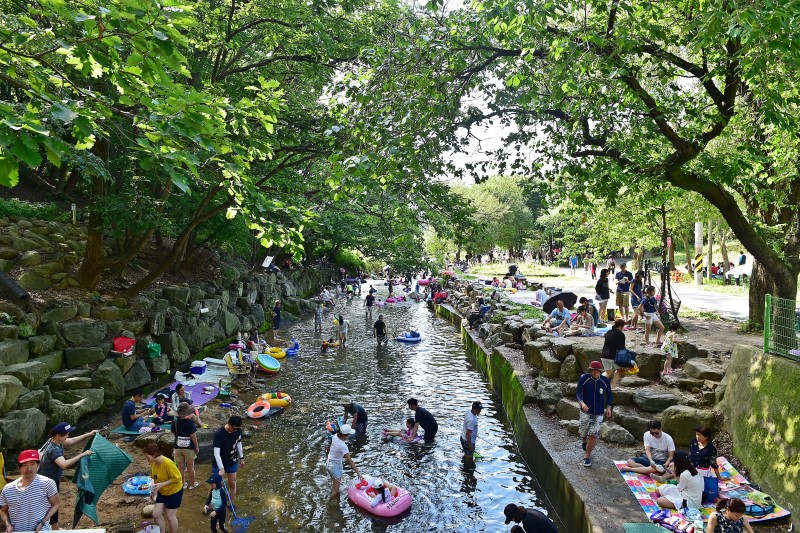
{"x": 12, "y": 207}
{"x": 687, "y": 312}
{"x": 751, "y": 327}
{"x": 528, "y": 269}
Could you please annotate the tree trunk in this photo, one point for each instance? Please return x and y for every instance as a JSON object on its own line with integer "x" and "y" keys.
{"x": 689, "y": 253}
{"x": 723, "y": 246}
{"x": 761, "y": 283}
{"x": 710, "y": 260}
{"x": 92, "y": 265}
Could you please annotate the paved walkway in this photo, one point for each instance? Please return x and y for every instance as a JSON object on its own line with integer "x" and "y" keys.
{"x": 726, "y": 305}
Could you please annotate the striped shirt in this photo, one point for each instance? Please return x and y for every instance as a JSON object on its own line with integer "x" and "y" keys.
{"x": 27, "y": 507}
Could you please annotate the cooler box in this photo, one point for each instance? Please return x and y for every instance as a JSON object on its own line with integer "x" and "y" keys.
{"x": 198, "y": 367}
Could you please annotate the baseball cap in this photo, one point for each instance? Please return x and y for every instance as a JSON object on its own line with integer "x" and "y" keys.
{"x": 345, "y": 429}
{"x": 62, "y": 428}
{"x": 215, "y": 478}
{"x": 510, "y": 511}
{"x": 477, "y": 405}
{"x": 595, "y": 365}
{"x": 27, "y": 456}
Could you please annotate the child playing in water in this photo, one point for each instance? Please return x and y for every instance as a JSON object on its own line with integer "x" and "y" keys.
{"x": 670, "y": 347}
{"x": 216, "y": 503}
{"x": 407, "y": 434}
{"x": 383, "y": 490}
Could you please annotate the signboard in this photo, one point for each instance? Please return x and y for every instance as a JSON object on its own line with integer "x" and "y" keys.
{"x": 669, "y": 243}
{"x": 698, "y": 262}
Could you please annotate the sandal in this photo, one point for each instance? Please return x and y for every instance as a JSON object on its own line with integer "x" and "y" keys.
{"x": 196, "y": 484}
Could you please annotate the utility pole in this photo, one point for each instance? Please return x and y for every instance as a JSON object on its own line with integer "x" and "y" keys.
{"x": 710, "y": 249}
{"x": 698, "y": 253}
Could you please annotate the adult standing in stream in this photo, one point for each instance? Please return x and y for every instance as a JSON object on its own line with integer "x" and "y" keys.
{"x": 424, "y": 419}
{"x": 379, "y": 331}
{"x": 469, "y": 432}
{"x": 228, "y": 453}
{"x": 52, "y": 456}
{"x": 359, "y": 415}
{"x": 369, "y": 301}
{"x": 276, "y": 318}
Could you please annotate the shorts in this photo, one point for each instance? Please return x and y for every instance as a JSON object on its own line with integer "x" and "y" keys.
{"x": 644, "y": 461}
{"x": 649, "y": 318}
{"x": 335, "y": 469}
{"x": 187, "y": 454}
{"x": 361, "y": 428}
{"x": 635, "y": 300}
{"x": 276, "y": 324}
{"x": 599, "y": 299}
{"x": 173, "y": 501}
{"x": 609, "y": 365}
{"x": 589, "y": 425}
{"x": 232, "y": 469}
{"x": 54, "y": 518}
{"x": 382, "y": 338}
{"x": 465, "y": 447}
{"x": 623, "y": 299}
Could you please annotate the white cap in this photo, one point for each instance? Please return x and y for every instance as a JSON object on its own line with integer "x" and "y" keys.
{"x": 345, "y": 429}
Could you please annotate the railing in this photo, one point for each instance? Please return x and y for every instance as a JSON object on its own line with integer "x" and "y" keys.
{"x": 781, "y": 327}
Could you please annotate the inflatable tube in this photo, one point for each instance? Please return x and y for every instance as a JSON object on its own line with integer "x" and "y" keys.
{"x": 361, "y": 495}
{"x": 447, "y": 273}
{"x": 404, "y": 338}
{"x": 258, "y": 409}
{"x": 391, "y": 300}
{"x": 276, "y": 399}
{"x": 380, "y": 304}
{"x": 267, "y": 363}
{"x": 294, "y": 349}
{"x": 333, "y": 427}
{"x": 423, "y": 282}
{"x": 138, "y": 486}
{"x": 277, "y": 353}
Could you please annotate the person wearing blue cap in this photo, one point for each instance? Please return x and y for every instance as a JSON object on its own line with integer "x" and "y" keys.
{"x": 216, "y": 503}
{"x": 53, "y": 462}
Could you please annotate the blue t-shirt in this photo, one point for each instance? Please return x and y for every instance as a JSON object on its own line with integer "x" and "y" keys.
{"x": 557, "y": 317}
{"x": 127, "y": 410}
{"x": 649, "y": 304}
{"x": 624, "y": 287}
{"x": 636, "y": 289}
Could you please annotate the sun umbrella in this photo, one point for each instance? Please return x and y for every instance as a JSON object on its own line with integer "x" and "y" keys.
{"x": 569, "y": 299}
{"x": 95, "y": 473}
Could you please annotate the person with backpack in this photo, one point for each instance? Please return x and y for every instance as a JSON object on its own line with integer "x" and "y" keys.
{"x": 729, "y": 518}
{"x": 53, "y": 462}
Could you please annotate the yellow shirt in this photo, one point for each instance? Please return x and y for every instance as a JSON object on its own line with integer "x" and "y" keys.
{"x": 164, "y": 471}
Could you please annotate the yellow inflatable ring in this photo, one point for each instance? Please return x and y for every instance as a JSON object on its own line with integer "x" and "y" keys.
{"x": 276, "y": 399}
{"x": 259, "y": 409}
{"x": 277, "y": 353}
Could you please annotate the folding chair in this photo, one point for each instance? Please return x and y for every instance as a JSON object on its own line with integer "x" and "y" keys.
{"x": 237, "y": 369}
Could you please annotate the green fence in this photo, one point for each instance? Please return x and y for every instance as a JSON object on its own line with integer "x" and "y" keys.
{"x": 781, "y": 327}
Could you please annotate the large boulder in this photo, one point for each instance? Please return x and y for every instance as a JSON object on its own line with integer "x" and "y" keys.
{"x": 551, "y": 366}
{"x": 611, "y": 432}
{"x": 31, "y": 373}
{"x": 85, "y": 401}
{"x": 10, "y": 390}
{"x": 105, "y": 312}
{"x": 701, "y": 369}
{"x": 174, "y": 346}
{"x": 158, "y": 365}
{"x": 84, "y": 333}
{"x": 258, "y": 314}
{"x": 623, "y": 396}
{"x": 23, "y": 429}
{"x": 41, "y": 344}
{"x": 569, "y": 369}
{"x": 34, "y": 399}
{"x": 13, "y": 351}
{"x": 9, "y": 331}
{"x": 561, "y": 347}
{"x": 634, "y": 381}
{"x": 58, "y": 381}
{"x": 30, "y": 258}
{"x": 585, "y": 353}
{"x": 654, "y": 401}
{"x": 178, "y": 296}
{"x": 548, "y": 394}
{"x": 680, "y": 421}
{"x": 137, "y": 376}
{"x": 229, "y": 321}
{"x": 77, "y": 357}
{"x": 125, "y": 363}
{"x": 156, "y": 322}
{"x": 33, "y": 281}
{"x": 633, "y": 420}
{"x": 650, "y": 361}
{"x": 60, "y": 314}
{"x": 682, "y": 381}
{"x": 533, "y": 353}
{"x": 108, "y": 377}
{"x": 57, "y": 410}
{"x": 568, "y": 409}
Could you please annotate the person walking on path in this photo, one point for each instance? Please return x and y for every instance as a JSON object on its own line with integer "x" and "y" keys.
{"x": 469, "y": 432}
{"x": 379, "y": 331}
{"x": 423, "y": 419}
{"x": 216, "y": 503}
{"x": 337, "y": 453}
{"x": 53, "y": 463}
{"x": 624, "y": 279}
{"x": 531, "y": 519}
{"x": 595, "y": 400}
{"x": 276, "y": 318}
{"x": 613, "y": 342}
{"x": 167, "y": 488}
{"x": 185, "y": 447}
{"x": 28, "y": 503}
{"x": 228, "y": 453}
{"x": 359, "y": 415}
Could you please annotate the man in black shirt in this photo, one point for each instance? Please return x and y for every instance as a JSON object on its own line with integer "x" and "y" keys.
{"x": 228, "y": 454}
{"x": 424, "y": 419}
{"x": 533, "y": 521}
{"x": 369, "y": 301}
{"x": 379, "y": 330}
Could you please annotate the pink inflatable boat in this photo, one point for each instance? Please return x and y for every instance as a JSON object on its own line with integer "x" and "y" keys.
{"x": 362, "y": 496}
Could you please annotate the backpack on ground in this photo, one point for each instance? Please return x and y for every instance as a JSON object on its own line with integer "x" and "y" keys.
{"x": 759, "y": 504}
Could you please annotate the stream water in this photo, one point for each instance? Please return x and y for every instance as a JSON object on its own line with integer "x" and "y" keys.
{"x": 285, "y": 482}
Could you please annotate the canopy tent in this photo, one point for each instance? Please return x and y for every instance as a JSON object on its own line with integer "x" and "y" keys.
{"x": 95, "y": 473}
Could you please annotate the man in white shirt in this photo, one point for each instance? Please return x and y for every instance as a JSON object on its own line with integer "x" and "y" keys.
{"x": 469, "y": 431}
{"x": 659, "y": 449}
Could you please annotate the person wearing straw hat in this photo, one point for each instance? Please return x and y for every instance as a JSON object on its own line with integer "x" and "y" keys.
{"x": 185, "y": 447}
{"x": 595, "y": 400}
{"x": 337, "y": 453}
{"x": 358, "y": 412}
{"x": 53, "y": 463}
{"x": 28, "y": 503}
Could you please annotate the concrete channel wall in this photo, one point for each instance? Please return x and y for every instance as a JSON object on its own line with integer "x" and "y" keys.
{"x": 586, "y": 500}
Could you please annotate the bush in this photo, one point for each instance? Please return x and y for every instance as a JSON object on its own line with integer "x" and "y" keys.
{"x": 32, "y": 210}
{"x": 228, "y": 272}
{"x": 349, "y": 260}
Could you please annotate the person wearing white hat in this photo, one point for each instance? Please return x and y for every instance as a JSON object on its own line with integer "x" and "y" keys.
{"x": 337, "y": 453}
{"x": 358, "y": 412}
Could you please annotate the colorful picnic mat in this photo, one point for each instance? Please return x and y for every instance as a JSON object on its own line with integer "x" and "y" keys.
{"x": 737, "y": 486}
{"x": 122, "y": 430}
{"x": 195, "y": 388}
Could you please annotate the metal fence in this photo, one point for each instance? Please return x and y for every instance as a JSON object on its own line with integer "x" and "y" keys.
{"x": 781, "y": 327}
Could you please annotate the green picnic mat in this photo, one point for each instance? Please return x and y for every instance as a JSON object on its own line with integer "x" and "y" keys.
{"x": 121, "y": 429}
{"x": 95, "y": 473}
{"x": 643, "y": 528}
